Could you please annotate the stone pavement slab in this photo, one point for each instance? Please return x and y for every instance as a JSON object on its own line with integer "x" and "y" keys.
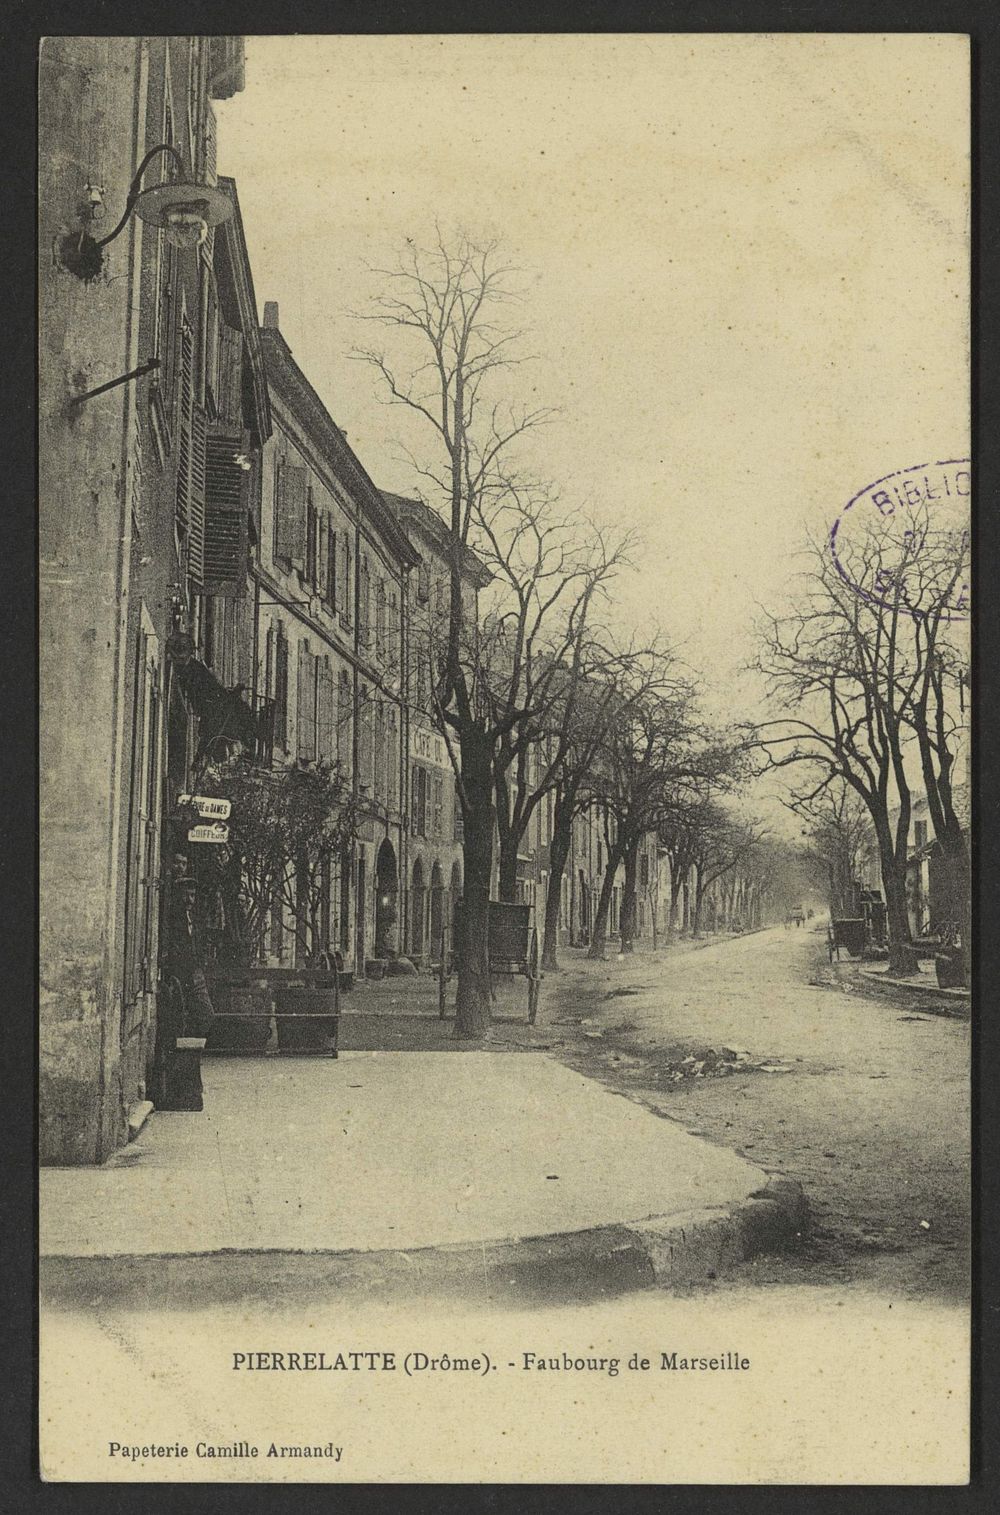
{"x": 378, "y": 1151}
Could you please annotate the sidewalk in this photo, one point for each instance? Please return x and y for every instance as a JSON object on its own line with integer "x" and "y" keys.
{"x": 496, "y": 1172}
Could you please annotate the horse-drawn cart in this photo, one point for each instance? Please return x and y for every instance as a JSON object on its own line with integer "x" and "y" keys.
{"x": 512, "y": 949}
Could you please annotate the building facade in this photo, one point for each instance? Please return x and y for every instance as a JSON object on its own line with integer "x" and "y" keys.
{"x": 122, "y": 521}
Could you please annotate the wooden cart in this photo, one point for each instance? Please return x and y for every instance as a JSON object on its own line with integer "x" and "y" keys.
{"x": 849, "y": 934}
{"x": 513, "y": 949}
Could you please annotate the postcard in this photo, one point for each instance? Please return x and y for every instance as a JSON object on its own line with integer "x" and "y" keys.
{"x": 505, "y": 781}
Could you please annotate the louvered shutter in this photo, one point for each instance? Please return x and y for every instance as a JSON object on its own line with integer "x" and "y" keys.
{"x": 305, "y": 715}
{"x": 196, "y": 503}
{"x": 290, "y": 531}
{"x": 227, "y": 502}
{"x": 323, "y": 573}
{"x": 327, "y": 740}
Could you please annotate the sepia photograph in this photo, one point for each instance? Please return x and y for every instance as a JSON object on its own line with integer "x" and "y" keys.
{"x": 505, "y": 916}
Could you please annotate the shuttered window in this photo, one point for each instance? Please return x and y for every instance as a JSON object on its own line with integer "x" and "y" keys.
{"x": 227, "y": 501}
{"x": 312, "y": 565}
{"x": 281, "y": 688}
{"x": 392, "y": 759}
{"x": 305, "y": 714}
{"x": 290, "y": 515}
{"x": 190, "y": 487}
{"x": 418, "y": 804}
{"x": 344, "y": 705}
{"x": 326, "y": 728}
{"x": 346, "y": 605}
{"x": 329, "y": 568}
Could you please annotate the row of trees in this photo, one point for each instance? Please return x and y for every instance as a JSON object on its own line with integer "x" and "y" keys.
{"x": 538, "y": 700}
{"x": 866, "y": 671}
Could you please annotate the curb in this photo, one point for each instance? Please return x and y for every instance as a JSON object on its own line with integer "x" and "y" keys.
{"x": 604, "y": 1261}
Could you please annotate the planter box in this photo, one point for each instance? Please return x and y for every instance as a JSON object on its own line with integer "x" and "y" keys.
{"x": 233, "y": 1030}
{"x": 305, "y": 1020}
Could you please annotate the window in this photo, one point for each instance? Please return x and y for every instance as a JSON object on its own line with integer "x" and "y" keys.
{"x": 290, "y": 515}
{"x": 305, "y": 710}
{"x": 423, "y": 584}
{"x": 346, "y": 614}
{"x": 344, "y": 704}
{"x": 226, "y": 529}
{"x": 378, "y": 755}
{"x": 311, "y": 565}
{"x": 365, "y": 720}
{"x": 438, "y": 791}
{"x": 326, "y": 721}
{"x": 380, "y": 620}
{"x": 392, "y": 759}
{"x": 280, "y": 686}
{"x": 190, "y": 481}
{"x": 418, "y": 805}
{"x": 331, "y": 564}
{"x": 364, "y": 608}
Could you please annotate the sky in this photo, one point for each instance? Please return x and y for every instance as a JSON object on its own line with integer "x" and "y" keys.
{"x": 745, "y": 263}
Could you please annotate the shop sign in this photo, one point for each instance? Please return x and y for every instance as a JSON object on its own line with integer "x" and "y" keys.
{"x": 208, "y": 806}
{"x": 211, "y": 832}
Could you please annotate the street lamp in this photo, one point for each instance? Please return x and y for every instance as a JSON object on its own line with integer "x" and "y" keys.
{"x": 183, "y": 208}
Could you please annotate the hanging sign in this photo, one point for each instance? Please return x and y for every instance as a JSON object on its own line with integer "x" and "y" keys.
{"x": 211, "y": 808}
{"x": 209, "y": 833}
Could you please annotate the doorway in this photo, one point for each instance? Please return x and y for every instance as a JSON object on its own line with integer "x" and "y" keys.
{"x": 386, "y": 899}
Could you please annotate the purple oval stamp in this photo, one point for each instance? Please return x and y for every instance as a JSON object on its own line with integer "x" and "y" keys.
{"x": 904, "y": 541}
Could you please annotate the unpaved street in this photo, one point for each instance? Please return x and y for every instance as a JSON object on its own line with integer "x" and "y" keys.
{"x": 866, "y": 1103}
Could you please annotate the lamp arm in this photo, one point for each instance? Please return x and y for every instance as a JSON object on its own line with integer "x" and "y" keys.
{"x": 135, "y": 186}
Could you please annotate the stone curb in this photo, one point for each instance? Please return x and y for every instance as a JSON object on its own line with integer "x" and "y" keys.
{"x": 601, "y": 1261}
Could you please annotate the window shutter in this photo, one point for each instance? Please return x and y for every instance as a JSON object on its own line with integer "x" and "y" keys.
{"x": 281, "y": 687}
{"x": 290, "y": 533}
{"x": 305, "y": 705}
{"x": 196, "y": 498}
{"x": 323, "y": 572}
{"x": 329, "y": 733}
{"x": 331, "y": 565}
{"x": 230, "y": 381}
{"x": 227, "y": 490}
{"x": 345, "y": 596}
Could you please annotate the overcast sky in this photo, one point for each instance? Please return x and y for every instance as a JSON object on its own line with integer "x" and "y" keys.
{"x": 747, "y": 262}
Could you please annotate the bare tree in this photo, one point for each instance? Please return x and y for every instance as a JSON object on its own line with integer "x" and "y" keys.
{"x": 445, "y": 306}
{"x": 840, "y": 836}
{"x": 648, "y": 746}
{"x": 550, "y": 570}
{"x": 852, "y": 659}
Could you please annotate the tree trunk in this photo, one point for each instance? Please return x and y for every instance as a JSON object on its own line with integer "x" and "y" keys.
{"x": 699, "y": 897}
{"x": 472, "y": 1014}
{"x": 558, "y": 854}
{"x": 600, "y": 933}
{"x": 629, "y": 901}
{"x": 898, "y": 920}
{"x": 508, "y": 843}
{"x": 675, "y": 894}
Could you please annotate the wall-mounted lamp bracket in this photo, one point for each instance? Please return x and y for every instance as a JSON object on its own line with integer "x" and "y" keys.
{"x": 125, "y": 378}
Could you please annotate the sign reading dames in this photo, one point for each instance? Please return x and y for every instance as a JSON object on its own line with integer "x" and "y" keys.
{"x": 208, "y": 807}
{"x": 428, "y": 747}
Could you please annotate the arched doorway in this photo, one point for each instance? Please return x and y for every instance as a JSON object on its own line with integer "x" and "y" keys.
{"x": 386, "y": 902}
{"x": 437, "y": 909}
{"x": 418, "y": 897}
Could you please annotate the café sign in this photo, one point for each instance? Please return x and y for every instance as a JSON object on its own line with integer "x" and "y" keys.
{"x": 428, "y": 747}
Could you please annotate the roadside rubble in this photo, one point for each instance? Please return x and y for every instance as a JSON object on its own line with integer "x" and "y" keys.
{"x": 675, "y": 1064}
